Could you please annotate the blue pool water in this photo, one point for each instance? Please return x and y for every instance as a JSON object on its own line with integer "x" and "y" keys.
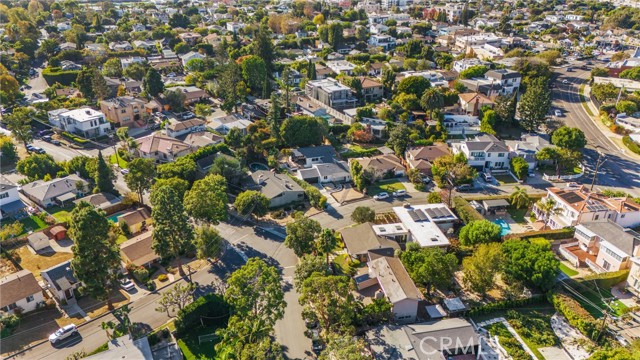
{"x": 113, "y": 218}
{"x": 504, "y": 227}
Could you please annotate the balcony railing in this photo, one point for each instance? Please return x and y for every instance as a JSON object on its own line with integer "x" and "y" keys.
{"x": 569, "y": 255}
{"x": 595, "y": 267}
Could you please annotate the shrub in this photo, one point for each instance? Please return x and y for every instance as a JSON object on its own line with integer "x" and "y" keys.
{"x": 57, "y": 75}
{"x": 210, "y": 306}
{"x": 506, "y": 304}
{"x": 151, "y": 285}
{"x": 609, "y": 279}
{"x": 575, "y": 314}
{"x": 465, "y": 211}
{"x": 632, "y": 145}
{"x": 163, "y": 277}
{"x": 140, "y": 273}
{"x": 565, "y": 233}
{"x": 74, "y": 138}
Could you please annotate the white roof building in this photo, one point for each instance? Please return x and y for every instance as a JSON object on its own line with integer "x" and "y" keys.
{"x": 425, "y": 223}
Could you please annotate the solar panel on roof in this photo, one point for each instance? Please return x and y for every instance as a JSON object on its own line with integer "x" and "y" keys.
{"x": 413, "y": 215}
{"x": 422, "y": 215}
{"x": 432, "y": 213}
{"x": 596, "y": 207}
{"x": 571, "y": 197}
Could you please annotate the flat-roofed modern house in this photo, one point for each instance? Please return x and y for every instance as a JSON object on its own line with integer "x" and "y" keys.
{"x": 424, "y": 224}
{"x": 85, "y": 122}
{"x": 331, "y": 93}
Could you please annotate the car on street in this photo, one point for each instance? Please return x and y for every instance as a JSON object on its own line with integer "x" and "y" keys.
{"x": 44, "y": 133}
{"x": 56, "y": 142}
{"x": 124, "y": 171}
{"x": 127, "y": 284}
{"x": 29, "y": 147}
{"x": 47, "y": 138}
{"x": 565, "y": 81}
{"x": 557, "y": 113}
{"x": 400, "y": 193}
{"x": 465, "y": 188}
{"x": 381, "y": 196}
{"x": 63, "y": 333}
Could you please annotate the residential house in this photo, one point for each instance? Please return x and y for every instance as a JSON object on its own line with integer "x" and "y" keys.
{"x": 124, "y": 111}
{"x": 120, "y": 46}
{"x": 192, "y": 93}
{"x": 138, "y": 250}
{"x": 103, "y": 201}
{"x": 223, "y": 124}
{"x": 10, "y": 203}
{"x": 147, "y": 45}
{"x": 435, "y": 78}
{"x": 63, "y": 26}
{"x": 453, "y": 338}
{"x": 125, "y": 62}
{"x": 461, "y": 124}
{"x": 190, "y": 56}
{"x": 190, "y": 38}
{"x": 180, "y": 128}
{"x": 372, "y": 90}
{"x": 125, "y": 347}
{"x": 464, "y": 64}
{"x": 67, "y": 46}
{"x": 330, "y": 92}
{"x": 323, "y": 72}
{"x": 484, "y": 152}
{"x": 137, "y": 220}
{"x": 161, "y": 148}
{"x": 341, "y": 67}
{"x": 463, "y": 42}
{"x": 234, "y": 27}
{"x": 377, "y": 127}
{"x": 603, "y": 246}
{"x": 633, "y": 280}
{"x": 528, "y": 147}
{"x": 200, "y": 139}
{"x": 306, "y": 157}
{"x": 629, "y": 122}
{"x": 397, "y": 286}
{"x": 336, "y": 172}
{"x": 576, "y": 204}
{"x": 472, "y": 102}
{"x": 486, "y": 51}
{"x": 508, "y": 80}
{"x": 422, "y": 224}
{"x": 85, "y": 122}
{"x": 20, "y": 292}
{"x": 382, "y": 165}
{"x": 138, "y": 27}
{"x": 386, "y": 42}
{"x": 61, "y": 281}
{"x": 278, "y": 188}
{"x": 422, "y": 157}
{"x": 55, "y": 192}
{"x": 360, "y": 240}
{"x": 68, "y": 65}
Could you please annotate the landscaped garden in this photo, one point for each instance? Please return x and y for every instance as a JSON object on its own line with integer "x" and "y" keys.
{"x": 61, "y": 214}
{"x": 388, "y": 186}
{"x": 517, "y": 214}
{"x": 32, "y": 223}
{"x": 508, "y": 341}
{"x": 567, "y": 270}
{"x": 122, "y": 163}
{"x": 193, "y": 348}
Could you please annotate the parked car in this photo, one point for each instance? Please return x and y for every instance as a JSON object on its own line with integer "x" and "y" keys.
{"x": 400, "y": 193}
{"x": 188, "y": 115}
{"x": 29, "y": 147}
{"x": 47, "y": 138}
{"x": 557, "y": 113}
{"x": 127, "y": 284}
{"x": 56, "y": 142}
{"x": 124, "y": 171}
{"x": 565, "y": 81}
{"x": 381, "y": 196}
{"x": 45, "y": 132}
{"x": 486, "y": 177}
{"x": 37, "y": 150}
{"x": 465, "y": 187}
{"x": 426, "y": 180}
{"x": 63, "y": 333}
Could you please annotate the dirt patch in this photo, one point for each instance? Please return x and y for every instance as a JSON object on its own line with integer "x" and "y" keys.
{"x": 36, "y": 263}
{"x": 94, "y": 308}
{"x": 347, "y": 195}
{"x": 6, "y": 267}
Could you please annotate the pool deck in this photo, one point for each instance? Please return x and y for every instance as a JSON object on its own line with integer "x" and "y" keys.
{"x": 515, "y": 228}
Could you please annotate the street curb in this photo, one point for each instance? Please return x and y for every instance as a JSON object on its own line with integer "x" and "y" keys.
{"x": 99, "y": 316}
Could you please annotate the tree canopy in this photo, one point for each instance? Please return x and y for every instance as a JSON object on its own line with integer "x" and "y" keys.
{"x": 479, "y": 232}
{"x": 532, "y": 263}
{"x": 302, "y": 130}
{"x": 207, "y": 200}
{"x": 301, "y": 234}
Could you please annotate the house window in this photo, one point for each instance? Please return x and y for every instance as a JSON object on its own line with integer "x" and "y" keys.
{"x": 4, "y": 195}
{"x": 124, "y": 111}
{"x": 500, "y": 154}
{"x": 596, "y": 217}
{"x": 606, "y": 265}
{"x": 609, "y": 216}
{"x": 613, "y": 255}
{"x": 29, "y": 298}
{"x": 12, "y": 306}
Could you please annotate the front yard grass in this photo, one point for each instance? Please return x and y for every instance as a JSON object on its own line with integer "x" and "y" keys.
{"x": 122, "y": 163}
{"x": 36, "y": 263}
{"x": 567, "y": 270}
{"x": 191, "y": 347}
{"x": 388, "y": 186}
{"x": 517, "y": 214}
{"x": 505, "y": 179}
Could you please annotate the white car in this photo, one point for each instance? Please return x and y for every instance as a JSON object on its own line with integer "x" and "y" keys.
{"x": 63, "y": 333}
{"x": 127, "y": 284}
{"x": 381, "y": 196}
{"x": 557, "y": 113}
{"x": 399, "y": 193}
{"x": 124, "y": 171}
{"x": 565, "y": 81}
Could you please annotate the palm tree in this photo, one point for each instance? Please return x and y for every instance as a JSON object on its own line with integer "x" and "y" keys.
{"x": 326, "y": 243}
{"x": 106, "y": 326}
{"x": 548, "y": 207}
{"x": 519, "y": 198}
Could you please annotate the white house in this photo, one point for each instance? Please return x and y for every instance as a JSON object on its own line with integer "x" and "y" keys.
{"x": 341, "y": 67}
{"x": 528, "y": 147}
{"x": 85, "y": 122}
{"x": 633, "y": 280}
{"x": 125, "y": 62}
{"x": 485, "y": 152}
{"x": 386, "y": 42}
{"x": 422, "y": 224}
{"x": 509, "y": 80}
{"x": 10, "y": 203}
{"x": 234, "y": 27}
{"x": 461, "y": 124}
{"x": 397, "y": 286}
{"x": 464, "y": 64}
{"x": 225, "y": 123}
{"x": 20, "y": 290}
{"x": 189, "y": 56}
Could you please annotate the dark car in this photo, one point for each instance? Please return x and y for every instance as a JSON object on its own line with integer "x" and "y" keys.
{"x": 42, "y": 133}
{"x": 56, "y": 142}
{"x": 465, "y": 187}
{"x": 47, "y": 138}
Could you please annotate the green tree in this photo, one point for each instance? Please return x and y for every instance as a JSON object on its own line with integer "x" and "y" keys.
{"x": 627, "y": 107}
{"x": 388, "y": 81}
{"x": 505, "y": 107}
{"x": 326, "y": 243}
{"x": 431, "y": 100}
{"x": 479, "y": 232}
{"x": 112, "y": 68}
{"x": 519, "y": 198}
{"x": 184, "y": 168}
{"x": 474, "y": 72}
{"x": 175, "y": 99}
{"x": 152, "y": 82}
{"x": 178, "y": 185}
{"x": 84, "y": 82}
{"x": 140, "y": 176}
{"x": 480, "y": 269}
{"x": 534, "y": 105}
{"x": 8, "y": 150}
{"x": 301, "y": 234}
{"x": 254, "y": 291}
{"x": 209, "y": 243}
{"x": 251, "y": 202}
{"x": 569, "y": 138}
{"x": 454, "y": 168}
{"x": 415, "y": 85}
{"x": 19, "y": 123}
{"x": 311, "y": 70}
{"x": 177, "y": 298}
{"x": 363, "y": 214}
{"x": 429, "y": 267}
{"x": 519, "y": 167}
{"x": 104, "y": 176}
{"x": 308, "y": 265}
{"x": 38, "y": 166}
{"x": 254, "y": 71}
{"x": 532, "y": 263}
{"x": 228, "y": 167}
{"x": 434, "y": 198}
{"x": 399, "y": 139}
{"x": 488, "y": 122}
{"x": 330, "y": 300}
{"x": 96, "y": 258}
{"x": 262, "y": 47}
{"x": 172, "y": 232}
{"x": 604, "y": 92}
{"x": 302, "y": 130}
{"x": 207, "y": 200}
{"x": 135, "y": 71}
{"x": 232, "y": 86}
{"x": 335, "y": 37}
{"x": 11, "y": 230}
{"x": 343, "y": 348}
{"x": 234, "y": 138}
{"x": 548, "y": 207}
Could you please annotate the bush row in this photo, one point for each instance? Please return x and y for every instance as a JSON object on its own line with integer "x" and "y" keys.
{"x": 632, "y": 145}
{"x": 316, "y": 199}
{"x": 565, "y": 233}
{"x": 575, "y": 314}
{"x": 360, "y": 153}
{"x": 609, "y": 279}
{"x": 74, "y": 138}
{"x": 54, "y": 75}
{"x": 506, "y": 305}
{"x": 211, "y": 307}
{"x": 465, "y": 211}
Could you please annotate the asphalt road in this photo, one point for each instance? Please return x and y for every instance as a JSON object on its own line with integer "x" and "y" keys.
{"x": 619, "y": 170}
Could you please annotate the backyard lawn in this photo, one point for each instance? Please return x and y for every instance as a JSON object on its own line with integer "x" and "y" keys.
{"x": 36, "y": 263}
{"x": 32, "y": 223}
{"x": 517, "y": 214}
{"x": 121, "y": 162}
{"x": 61, "y": 214}
{"x": 594, "y": 302}
{"x": 191, "y": 347}
{"x": 505, "y": 179}
{"x": 567, "y": 270}
{"x": 385, "y": 186}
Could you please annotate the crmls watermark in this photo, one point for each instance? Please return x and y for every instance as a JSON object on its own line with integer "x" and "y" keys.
{"x": 429, "y": 345}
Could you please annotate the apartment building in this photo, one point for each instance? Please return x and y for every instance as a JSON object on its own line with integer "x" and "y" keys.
{"x": 85, "y": 122}
{"x": 484, "y": 152}
{"x": 330, "y": 92}
{"x": 124, "y": 110}
{"x": 386, "y": 42}
{"x": 462, "y": 42}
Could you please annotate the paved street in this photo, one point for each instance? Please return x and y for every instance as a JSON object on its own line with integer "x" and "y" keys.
{"x": 620, "y": 169}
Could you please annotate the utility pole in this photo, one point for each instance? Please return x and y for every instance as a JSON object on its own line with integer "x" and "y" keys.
{"x": 599, "y": 162}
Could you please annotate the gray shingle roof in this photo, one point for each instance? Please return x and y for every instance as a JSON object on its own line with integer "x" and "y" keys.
{"x": 326, "y": 152}
{"x": 271, "y": 184}
{"x": 624, "y": 239}
{"x": 61, "y": 275}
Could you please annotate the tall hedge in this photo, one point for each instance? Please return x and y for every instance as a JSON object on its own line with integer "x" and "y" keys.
{"x": 608, "y": 279}
{"x": 54, "y": 75}
{"x": 210, "y": 309}
{"x": 632, "y": 145}
{"x": 566, "y": 233}
{"x": 465, "y": 211}
{"x": 575, "y": 314}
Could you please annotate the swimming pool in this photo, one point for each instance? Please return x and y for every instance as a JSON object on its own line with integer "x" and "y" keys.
{"x": 114, "y": 218}
{"x": 258, "y": 166}
{"x": 504, "y": 227}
